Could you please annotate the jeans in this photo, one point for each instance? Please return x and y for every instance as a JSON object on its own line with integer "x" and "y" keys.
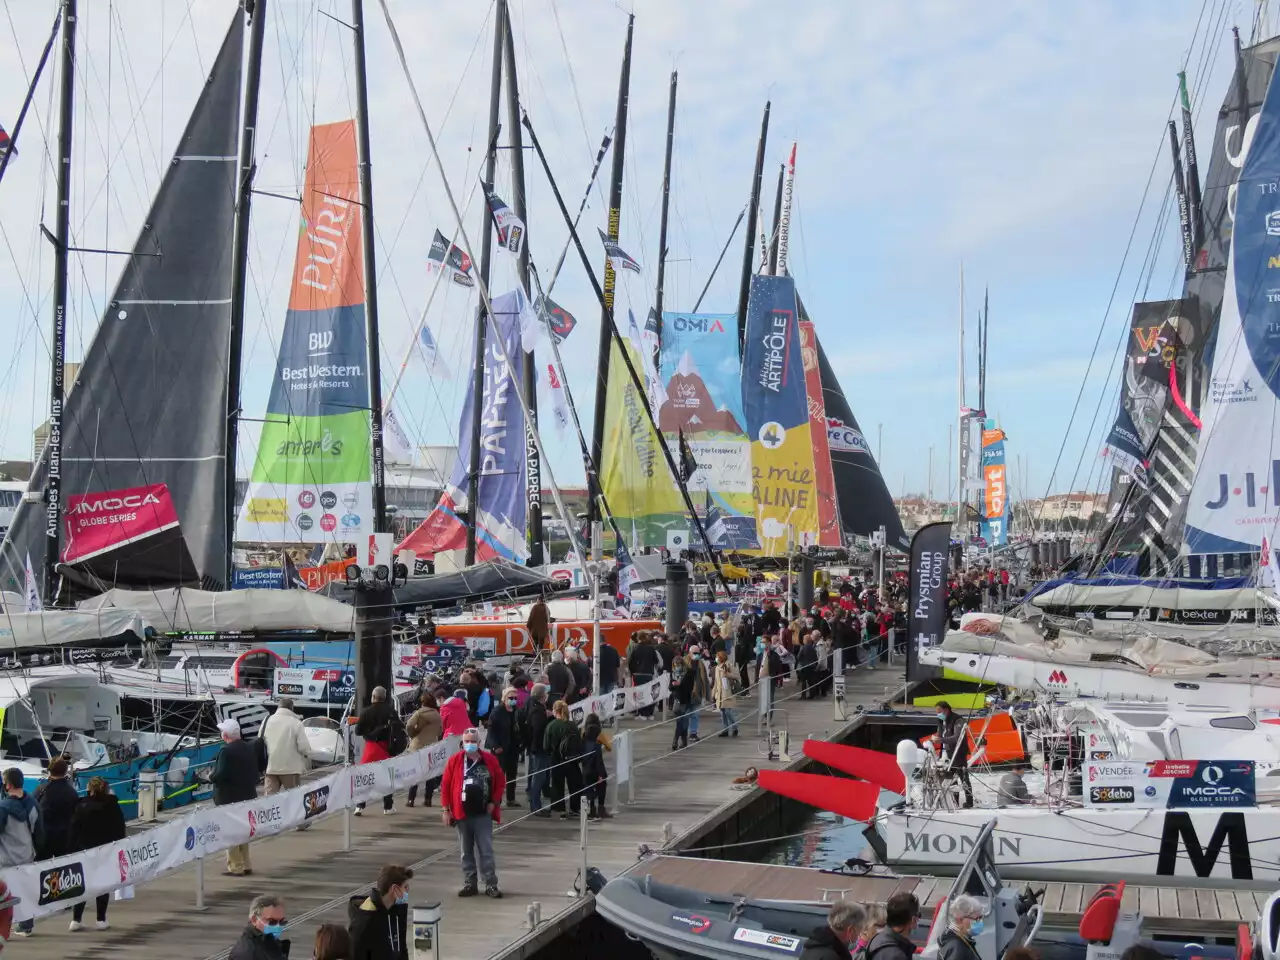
{"x": 538, "y": 777}
{"x": 77, "y": 912}
{"x": 475, "y": 838}
{"x": 728, "y": 719}
{"x": 694, "y": 708}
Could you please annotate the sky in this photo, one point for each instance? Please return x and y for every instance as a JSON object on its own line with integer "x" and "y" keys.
{"x": 1024, "y": 140}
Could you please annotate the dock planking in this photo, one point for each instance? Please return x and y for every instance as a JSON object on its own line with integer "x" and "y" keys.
{"x": 538, "y": 860}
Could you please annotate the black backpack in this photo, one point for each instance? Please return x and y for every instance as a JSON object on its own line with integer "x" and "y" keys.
{"x": 397, "y": 737}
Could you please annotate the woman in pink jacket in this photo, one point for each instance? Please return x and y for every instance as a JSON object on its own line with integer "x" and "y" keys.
{"x": 454, "y": 715}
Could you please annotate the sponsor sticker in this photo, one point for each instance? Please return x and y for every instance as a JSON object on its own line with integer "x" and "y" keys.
{"x": 315, "y": 802}
{"x": 694, "y": 922}
{"x": 61, "y": 883}
{"x": 763, "y": 938}
{"x": 1111, "y": 794}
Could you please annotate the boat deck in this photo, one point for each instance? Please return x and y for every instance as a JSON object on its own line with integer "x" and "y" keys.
{"x": 537, "y": 859}
{"x": 1164, "y": 909}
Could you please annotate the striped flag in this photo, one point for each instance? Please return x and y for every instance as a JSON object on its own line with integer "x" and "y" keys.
{"x": 620, "y": 259}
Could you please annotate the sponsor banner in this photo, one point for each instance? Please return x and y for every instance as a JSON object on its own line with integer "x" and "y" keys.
{"x": 828, "y": 521}
{"x": 53, "y": 885}
{"x": 927, "y": 604}
{"x": 317, "y": 578}
{"x": 308, "y": 683}
{"x": 781, "y": 942}
{"x": 1235, "y": 495}
{"x": 776, "y": 408}
{"x": 995, "y": 499}
{"x": 98, "y": 522}
{"x": 1171, "y": 783}
{"x": 257, "y": 578}
{"x": 503, "y": 507}
{"x": 310, "y": 481}
{"x": 702, "y": 377}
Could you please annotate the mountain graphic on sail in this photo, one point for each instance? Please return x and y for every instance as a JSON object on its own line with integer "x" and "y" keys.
{"x": 690, "y": 407}
{"x": 144, "y": 426}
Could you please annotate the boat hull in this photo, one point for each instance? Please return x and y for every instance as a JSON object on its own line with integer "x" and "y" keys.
{"x": 1230, "y": 848}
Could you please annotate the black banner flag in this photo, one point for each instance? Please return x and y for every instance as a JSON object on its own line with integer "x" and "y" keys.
{"x": 927, "y": 606}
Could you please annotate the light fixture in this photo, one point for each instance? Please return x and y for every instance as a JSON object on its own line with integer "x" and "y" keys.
{"x": 381, "y": 573}
{"x": 353, "y": 573}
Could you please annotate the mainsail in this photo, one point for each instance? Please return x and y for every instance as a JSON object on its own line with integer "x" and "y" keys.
{"x": 1235, "y": 494}
{"x": 311, "y": 480}
{"x": 144, "y": 428}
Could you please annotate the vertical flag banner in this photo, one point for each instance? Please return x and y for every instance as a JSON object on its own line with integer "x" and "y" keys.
{"x": 701, "y": 415}
{"x": 509, "y": 226}
{"x": 828, "y": 519}
{"x": 927, "y": 604}
{"x": 502, "y": 514}
{"x": 776, "y": 408}
{"x": 450, "y": 258}
{"x": 995, "y": 497}
{"x": 312, "y": 479}
{"x": 32, "y": 590}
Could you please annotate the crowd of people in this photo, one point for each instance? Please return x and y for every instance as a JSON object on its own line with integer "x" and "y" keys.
{"x": 981, "y": 589}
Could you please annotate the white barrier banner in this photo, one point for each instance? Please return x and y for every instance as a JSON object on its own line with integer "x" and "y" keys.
{"x": 53, "y": 885}
{"x": 622, "y": 700}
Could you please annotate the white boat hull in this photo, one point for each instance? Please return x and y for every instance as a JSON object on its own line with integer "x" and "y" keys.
{"x": 1237, "y": 848}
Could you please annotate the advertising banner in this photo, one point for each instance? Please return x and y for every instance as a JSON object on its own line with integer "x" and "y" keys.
{"x": 257, "y": 578}
{"x": 702, "y": 378}
{"x": 995, "y": 499}
{"x": 776, "y": 408}
{"x": 1171, "y": 783}
{"x": 503, "y": 508}
{"x": 828, "y": 517}
{"x": 927, "y": 603}
{"x": 311, "y": 480}
{"x": 98, "y": 522}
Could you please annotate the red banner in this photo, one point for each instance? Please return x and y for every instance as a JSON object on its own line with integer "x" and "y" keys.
{"x": 317, "y": 577}
{"x": 828, "y": 522}
{"x": 98, "y": 522}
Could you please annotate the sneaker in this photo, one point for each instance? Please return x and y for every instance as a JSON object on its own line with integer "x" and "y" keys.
{"x": 604, "y": 815}
{"x": 75, "y": 926}
{"x": 694, "y": 737}
{"x": 409, "y": 803}
{"x": 387, "y": 813}
{"x": 470, "y": 890}
{"x": 23, "y": 933}
{"x": 513, "y": 803}
{"x": 543, "y": 813}
{"x": 492, "y": 892}
{"x": 358, "y": 811}
{"x": 102, "y": 925}
{"x": 735, "y": 732}
{"x": 723, "y": 733}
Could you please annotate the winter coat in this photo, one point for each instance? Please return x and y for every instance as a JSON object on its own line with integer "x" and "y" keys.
{"x": 593, "y": 768}
{"x": 455, "y": 719}
{"x": 57, "y": 800}
{"x": 562, "y": 740}
{"x": 806, "y": 657}
{"x": 666, "y": 655}
{"x": 683, "y": 690}
{"x": 643, "y": 660}
{"x": 581, "y": 681}
{"x": 235, "y": 773}
{"x": 701, "y": 685}
{"x": 535, "y": 725}
{"x": 20, "y": 830}
{"x": 451, "y": 784}
{"x": 256, "y": 945}
{"x": 377, "y": 932}
{"x": 288, "y": 749}
{"x": 953, "y": 945}
{"x": 97, "y": 820}
{"x": 375, "y": 725}
{"x": 504, "y": 734}
{"x": 722, "y": 685}
{"x": 559, "y": 679}
{"x": 424, "y": 727}
{"x": 823, "y": 944}
{"x": 539, "y": 623}
{"x": 890, "y": 945}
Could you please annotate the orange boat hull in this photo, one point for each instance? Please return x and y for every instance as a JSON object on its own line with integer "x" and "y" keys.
{"x": 514, "y": 639}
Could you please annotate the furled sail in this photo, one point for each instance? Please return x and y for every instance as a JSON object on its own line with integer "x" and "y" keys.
{"x": 862, "y": 496}
{"x": 1235, "y": 494}
{"x": 144, "y": 427}
{"x": 311, "y": 481}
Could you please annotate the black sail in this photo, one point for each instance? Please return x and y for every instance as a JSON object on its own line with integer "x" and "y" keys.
{"x": 149, "y": 404}
{"x": 861, "y": 494}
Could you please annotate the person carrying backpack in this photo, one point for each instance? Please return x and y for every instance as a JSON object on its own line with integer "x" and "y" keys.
{"x": 384, "y": 738}
{"x": 563, "y": 744}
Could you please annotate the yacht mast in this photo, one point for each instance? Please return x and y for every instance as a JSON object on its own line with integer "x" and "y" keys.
{"x": 662, "y": 223}
{"x": 748, "y": 252}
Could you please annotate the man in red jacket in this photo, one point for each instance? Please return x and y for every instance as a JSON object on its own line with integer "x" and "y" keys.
{"x": 471, "y": 798}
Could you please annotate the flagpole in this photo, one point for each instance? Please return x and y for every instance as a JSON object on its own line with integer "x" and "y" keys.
{"x": 519, "y": 205}
{"x": 486, "y": 254}
{"x": 610, "y": 276}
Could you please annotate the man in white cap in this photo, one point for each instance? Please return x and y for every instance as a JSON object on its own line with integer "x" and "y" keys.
{"x": 235, "y": 778}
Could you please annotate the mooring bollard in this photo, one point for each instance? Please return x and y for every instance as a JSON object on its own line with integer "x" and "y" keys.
{"x": 668, "y": 833}
{"x": 534, "y": 914}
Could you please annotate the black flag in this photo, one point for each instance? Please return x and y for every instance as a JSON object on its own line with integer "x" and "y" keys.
{"x": 688, "y": 465}
{"x": 927, "y": 607}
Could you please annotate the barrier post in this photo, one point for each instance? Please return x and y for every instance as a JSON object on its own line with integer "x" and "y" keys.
{"x": 346, "y": 829}
{"x": 148, "y": 795}
{"x": 837, "y": 684}
{"x": 623, "y": 767}
{"x": 581, "y": 891}
{"x": 200, "y": 883}
{"x": 764, "y": 692}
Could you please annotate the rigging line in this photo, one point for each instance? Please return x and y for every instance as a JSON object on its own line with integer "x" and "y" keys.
{"x": 481, "y": 285}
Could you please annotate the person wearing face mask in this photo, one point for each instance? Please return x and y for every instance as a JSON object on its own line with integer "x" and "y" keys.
{"x": 833, "y": 940}
{"x": 471, "y": 795}
{"x": 504, "y": 740}
{"x": 379, "y": 923}
{"x": 953, "y": 735}
{"x": 701, "y": 688}
{"x": 262, "y": 937}
{"x": 957, "y": 941}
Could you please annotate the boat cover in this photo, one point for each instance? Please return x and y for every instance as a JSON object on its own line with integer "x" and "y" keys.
{"x": 63, "y": 628}
{"x": 247, "y": 611}
{"x": 485, "y": 581}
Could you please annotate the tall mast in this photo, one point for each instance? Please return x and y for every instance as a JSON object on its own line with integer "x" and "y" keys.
{"x": 1194, "y": 205}
{"x": 370, "y": 272}
{"x": 61, "y": 240}
{"x": 662, "y": 223}
{"x": 519, "y": 205}
{"x": 748, "y": 250}
{"x": 610, "y": 277}
{"x": 961, "y": 432}
{"x": 486, "y": 253}
{"x": 777, "y": 219}
{"x": 256, "y": 10}
{"x": 783, "y": 217}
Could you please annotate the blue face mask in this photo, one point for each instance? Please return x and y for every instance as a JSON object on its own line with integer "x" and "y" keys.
{"x": 273, "y": 930}
{"x": 403, "y": 898}
{"x": 975, "y": 928}
{"x": 471, "y": 747}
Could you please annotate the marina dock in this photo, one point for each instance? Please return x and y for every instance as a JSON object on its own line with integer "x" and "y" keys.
{"x": 537, "y": 859}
